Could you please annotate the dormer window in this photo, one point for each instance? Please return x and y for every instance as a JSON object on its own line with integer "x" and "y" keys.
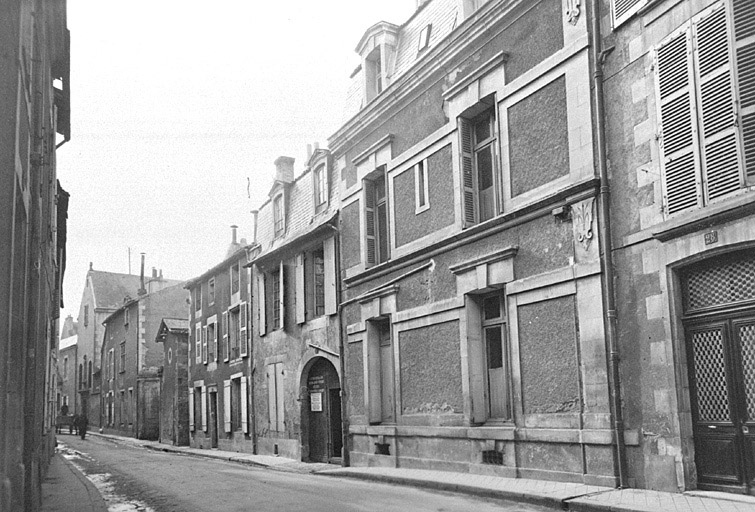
{"x": 374, "y": 73}
{"x": 279, "y": 217}
{"x": 424, "y": 37}
{"x": 320, "y": 186}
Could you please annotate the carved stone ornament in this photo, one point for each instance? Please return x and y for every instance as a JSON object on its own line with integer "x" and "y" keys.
{"x": 583, "y": 222}
{"x": 572, "y": 11}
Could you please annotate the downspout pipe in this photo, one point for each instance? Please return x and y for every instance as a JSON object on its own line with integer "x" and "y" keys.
{"x": 606, "y": 250}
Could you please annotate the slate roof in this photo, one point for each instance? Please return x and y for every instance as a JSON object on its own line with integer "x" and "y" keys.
{"x": 68, "y": 342}
{"x": 176, "y": 324}
{"x": 110, "y": 288}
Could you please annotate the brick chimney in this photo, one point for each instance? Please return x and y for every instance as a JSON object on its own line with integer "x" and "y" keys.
{"x": 284, "y": 169}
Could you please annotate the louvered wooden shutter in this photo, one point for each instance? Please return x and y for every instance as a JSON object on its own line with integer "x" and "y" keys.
{"x": 369, "y": 223}
{"x": 279, "y": 389}
{"x": 329, "y": 257}
{"x": 227, "y": 405}
{"x": 271, "y": 397}
{"x": 191, "y": 409}
{"x": 243, "y": 329}
{"x": 679, "y": 146}
{"x": 468, "y": 176}
{"x": 301, "y": 312}
{"x": 624, "y": 9}
{"x": 719, "y": 131}
{"x": 744, "y": 31}
{"x": 215, "y": 342}
{"x": 261, "y": 312}
{"x": 226, "y": 336}
{"x": 244, "y": 405}
{"x": 198, "y": 343}
{"x": 281, "y": 298}
{"x": 203, "y": 397}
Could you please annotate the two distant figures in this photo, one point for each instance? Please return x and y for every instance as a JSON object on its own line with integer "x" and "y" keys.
{"x": 78, "y": 422}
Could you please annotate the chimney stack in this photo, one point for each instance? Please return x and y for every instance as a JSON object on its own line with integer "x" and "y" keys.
{"x": 233, "y": 234}
{"x": 284, "y": 169}
{"x": 142, "y": 289}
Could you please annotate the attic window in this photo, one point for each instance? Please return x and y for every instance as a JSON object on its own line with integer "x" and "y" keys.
{"x": 424, "y": 37}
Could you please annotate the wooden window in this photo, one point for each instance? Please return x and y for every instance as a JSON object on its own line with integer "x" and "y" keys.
{"x": 212, "y": 341}
{"x": 261, "y": 302}
{"x": 198, "y": 297}
{"x": 424, "y": 37}
{"x": 320, "y": 187}
{"x": 235, "y": 279}
{"x": 211, "y": 291}
{"x": 227, "y": 336}
{"x": 480, "y": 178}
{"x": 123, "y": 357}
{"x": 701, "y": 143}
{"x": 126, "y": 316}
{"x": 421, "y": 192}
{"x": 277, "y": 299}
{"x": 243, "y": 329}
{"x": 275, "y": 394}
{"x": 279, "y": 217}
{"x": 204, "y": 344}
{"x": 377, "y": 246}
{"x": 318, "y": 278}
{"x": 198, "y": 343}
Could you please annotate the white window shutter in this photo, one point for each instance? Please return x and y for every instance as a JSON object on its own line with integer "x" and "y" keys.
{"x": 468, "y": 176}
{"x": 281, "y": 298}
{"x": 301, "y": 311}
{"x": 243, "y": 330}
{"x": 722, "y": 169}
{"x": 329, "y": 255}
{"x": 204, "y": 344}
{"x": 262, "y": 314}
{"x": 370, "y": 249}
{"x": 227, "y": 405}
{"x": 191, "y": 409}
{"x": 204, "y": 408}
{"x": 272, "y": 403}
{"x": 198, "y": 343}
{"x": 226, "y": 337}
{"x": 217, "y": 338}
{"x": 625, "y": 9}
{"x": 744, "y": 13}
{"x": 678, "y": 121}
{"x": 279, "y": 388}
{"x": 244, "y": 405}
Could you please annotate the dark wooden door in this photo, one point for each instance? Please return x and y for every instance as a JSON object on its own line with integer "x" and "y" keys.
{"x": 336, "y": 439}
{"x": 721, "y": 354}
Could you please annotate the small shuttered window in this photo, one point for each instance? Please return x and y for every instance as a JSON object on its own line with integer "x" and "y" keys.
{"x": 701, "y": 148}
{"x": 468, "y": 178}
{"x": 622, "y": 10}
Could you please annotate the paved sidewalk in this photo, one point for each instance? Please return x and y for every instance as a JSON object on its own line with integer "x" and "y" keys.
{"x": 66, "y": 489}
{"x": 559, "y": 495}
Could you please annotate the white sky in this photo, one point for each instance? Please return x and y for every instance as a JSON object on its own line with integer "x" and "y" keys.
{"x": 175, "y": 103}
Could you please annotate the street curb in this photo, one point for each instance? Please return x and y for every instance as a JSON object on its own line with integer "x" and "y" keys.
{"x": 95, "y": 498}
{"x": 518, "y": 497}
{"x": 237, "y": 460}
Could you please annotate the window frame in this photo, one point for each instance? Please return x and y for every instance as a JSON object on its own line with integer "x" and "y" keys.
{"x": 235, "y": 280}
{"x": 320, "y": 186}
{"x": 122, "y": 357}
{"x": 377, "y": 247}
{"x": 211, "y": 291}
{"x": 421, "y": 186}
{"x": 279, "y": 214}
{"x": 424, "y": 37}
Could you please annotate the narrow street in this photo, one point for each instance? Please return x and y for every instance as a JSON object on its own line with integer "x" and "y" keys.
{"x": 137, "y": 479}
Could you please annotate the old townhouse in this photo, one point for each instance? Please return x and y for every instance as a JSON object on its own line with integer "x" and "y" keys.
{"x": 297, "y": 377}
{"x": 103, "y": 294}
{"x": 470, "y": 261}
{"x": 680, "y": 124}
{"x": 174, "y": 395}
{"x": 68, "y": 376}
{"x": 219, "y": 368}
{"x": 131, "y": 361}
{"x": 34, "y": 123}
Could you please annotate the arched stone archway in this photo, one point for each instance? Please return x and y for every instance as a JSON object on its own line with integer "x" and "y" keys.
{"x": 321, "y": 411}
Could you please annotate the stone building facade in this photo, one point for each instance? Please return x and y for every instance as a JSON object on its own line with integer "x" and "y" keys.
{"x": 470, "y": 262}
{"x": 680, "y": 124}
{"x": 34, "y": 123}
{"x": 297, "y": 368}
{"x": 219, "y": 346}
{"x": 174, "y": 395}
{"x": 131, "y": 362}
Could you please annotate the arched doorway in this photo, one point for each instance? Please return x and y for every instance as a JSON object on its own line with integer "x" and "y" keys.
{"x": 322, "y": 408}
{"x": 719, "y": 324}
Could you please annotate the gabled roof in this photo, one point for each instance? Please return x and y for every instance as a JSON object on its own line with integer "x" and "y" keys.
{"x": 110, "y": 288}
{"x": 172, "y": 325}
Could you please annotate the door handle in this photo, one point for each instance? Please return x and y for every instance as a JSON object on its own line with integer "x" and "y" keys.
{"x": 745, "y": 429}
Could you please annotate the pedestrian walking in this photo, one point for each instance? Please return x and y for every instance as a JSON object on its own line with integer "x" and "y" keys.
{"x": 83, "y": 424}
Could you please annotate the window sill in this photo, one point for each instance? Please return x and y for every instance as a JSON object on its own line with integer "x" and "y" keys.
{"x": 715, "y": 214}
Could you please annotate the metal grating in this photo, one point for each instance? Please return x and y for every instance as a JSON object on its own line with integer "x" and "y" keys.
{"x": 710, "y": 376}
{"x": 492, "y": 457}
{"x": 727, "y": 283}
{"x": 747, "y": 346}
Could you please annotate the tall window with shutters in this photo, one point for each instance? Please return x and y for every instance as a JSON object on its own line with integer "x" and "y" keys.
{"x": 703, "y": 151}
{"x": 480, "y": 180}
{"x": 377, "y": 246}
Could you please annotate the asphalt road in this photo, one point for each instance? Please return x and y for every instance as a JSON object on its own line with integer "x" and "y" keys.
{"x": 136, "y": 479}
